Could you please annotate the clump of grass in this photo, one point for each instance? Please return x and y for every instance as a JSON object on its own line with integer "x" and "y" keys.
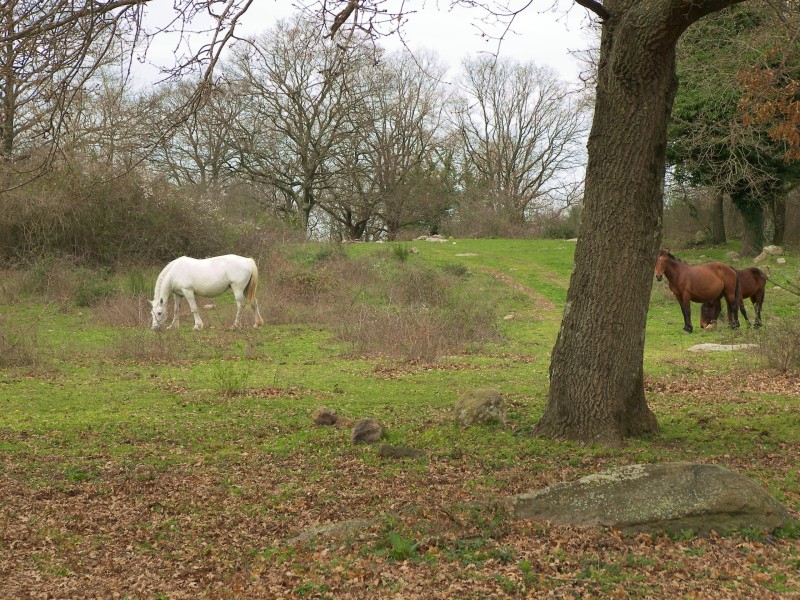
{"x": 401, "y": 252}
{"x": 138, "y": 283}
{"x": 231, "y": 378}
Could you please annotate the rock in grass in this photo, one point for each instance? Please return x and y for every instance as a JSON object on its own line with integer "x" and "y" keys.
{"x": 480, "y": 406}
{"x": 670, "y": 497}
{"x": 325, "y": 416}
{"x": 387, "y": 451}
{"x": 367, "y": 431}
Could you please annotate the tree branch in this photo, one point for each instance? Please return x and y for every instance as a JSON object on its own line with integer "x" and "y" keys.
{"x": 595, "y": 7}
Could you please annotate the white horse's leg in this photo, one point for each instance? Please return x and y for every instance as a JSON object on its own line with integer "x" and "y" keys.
{"x": 259, "y": 321}
{"x": 176, "y": 311}
{"x": 189, "y": 295}
{"x": 239, "y": 295}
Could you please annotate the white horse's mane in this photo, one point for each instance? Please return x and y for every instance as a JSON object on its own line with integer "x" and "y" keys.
{"x": 161, "y": 277}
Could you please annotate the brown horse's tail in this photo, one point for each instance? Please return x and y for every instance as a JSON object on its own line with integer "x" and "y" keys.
{"x": 252, "y": 285}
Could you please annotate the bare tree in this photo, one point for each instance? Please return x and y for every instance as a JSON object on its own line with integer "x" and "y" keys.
{"x": 522, "y": 133}
{"x": 50, "y": 49}
{"x": 300, "y": 89}
{"x": 109, "y": 123}
{"x": 42, "y": 66}
{"x": 200, "y": 150}
{"x": 407, "y": 107}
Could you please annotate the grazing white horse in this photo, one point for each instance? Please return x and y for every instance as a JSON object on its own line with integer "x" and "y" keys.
{"x": 207, "y": 277}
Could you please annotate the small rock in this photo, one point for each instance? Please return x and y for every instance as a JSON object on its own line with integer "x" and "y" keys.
{"x": 508, "y": 317}
{"x": 367, "y": 431}
{"x": 760, "y": 258}
{"x": 325, "y": 416}
{"x": 732, "y": 255}
{"x": 781, "y": 261}
{"x": 480, "y": 406}
{"x": 413, "y": 250}
{"x": 774, "y": 250}
{"x": 720, "y": 347}
{"x": 387, "y": 451}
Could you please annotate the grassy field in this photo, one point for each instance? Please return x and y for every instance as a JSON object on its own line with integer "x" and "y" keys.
{"x": 178, "y": 464}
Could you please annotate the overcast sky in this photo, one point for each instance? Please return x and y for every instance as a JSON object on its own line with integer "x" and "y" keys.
{"x": 545, "y": 35}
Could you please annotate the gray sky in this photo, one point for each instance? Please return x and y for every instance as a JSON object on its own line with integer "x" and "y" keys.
{"x": 546, "y": 33}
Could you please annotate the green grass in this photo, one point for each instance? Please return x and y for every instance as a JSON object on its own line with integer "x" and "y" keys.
{"x": 109, "y": 408}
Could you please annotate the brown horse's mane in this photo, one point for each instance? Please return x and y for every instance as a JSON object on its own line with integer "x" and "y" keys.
{"x": 672, "y": 256}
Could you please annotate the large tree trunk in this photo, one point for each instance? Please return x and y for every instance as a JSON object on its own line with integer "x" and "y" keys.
{"x": 779, "y": 219}
{"x": 596, "y": 371}
{"x": 752, "y": 221}
{"x": 718, "y": 218}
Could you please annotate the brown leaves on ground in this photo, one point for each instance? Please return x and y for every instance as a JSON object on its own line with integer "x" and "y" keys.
{"x": 217, "y": 527}
{"x": 214, "y": 531}
{"x": 728, "y": 386}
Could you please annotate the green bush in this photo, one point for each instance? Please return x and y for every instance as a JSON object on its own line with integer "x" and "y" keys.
{"x": 559, "y": 231}
{"x": 107, "y": 218}
{"x": 92, "y": 286}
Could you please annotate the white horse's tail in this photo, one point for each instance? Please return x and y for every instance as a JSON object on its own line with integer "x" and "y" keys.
{"x": 252, "y": 285}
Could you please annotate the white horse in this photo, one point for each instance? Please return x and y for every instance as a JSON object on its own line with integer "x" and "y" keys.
{"x": 208, "y": 277}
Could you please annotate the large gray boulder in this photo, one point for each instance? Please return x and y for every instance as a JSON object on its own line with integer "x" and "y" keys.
{"x": 656, "y": 497}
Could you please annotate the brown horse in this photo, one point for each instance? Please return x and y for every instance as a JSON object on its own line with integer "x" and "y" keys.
{"x": 751, "y": 283}
{"x": 701, "y": 283}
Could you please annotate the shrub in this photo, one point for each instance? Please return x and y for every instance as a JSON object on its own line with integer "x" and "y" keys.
{"x": 18, "y": 346}
{"x": 780, "y": 345}
{"x": 107, "y": 218}
{"x": 559, "y": 231}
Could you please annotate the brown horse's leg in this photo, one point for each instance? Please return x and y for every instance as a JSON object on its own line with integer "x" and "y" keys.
{"x": 758, "y": 300}
{"x": 744, "y": 312}
{"x": 709, "y": 313}
{"x": 734, "y": 304}
{"x": 686, "y": 309}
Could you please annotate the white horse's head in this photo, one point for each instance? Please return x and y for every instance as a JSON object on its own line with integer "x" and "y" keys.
{"x": 158, "y": 312}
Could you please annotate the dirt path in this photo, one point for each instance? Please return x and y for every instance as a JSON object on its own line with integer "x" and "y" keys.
{"x": 541, "y": 301}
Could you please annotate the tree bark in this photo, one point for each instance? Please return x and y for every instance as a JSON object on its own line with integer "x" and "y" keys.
{"x": 8, "y": 85}
{"x": 752, "y": 221}
{"x": 718, "y": 218}
{"x": 596, "y": 371}
{"x": 779, "y": 219}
